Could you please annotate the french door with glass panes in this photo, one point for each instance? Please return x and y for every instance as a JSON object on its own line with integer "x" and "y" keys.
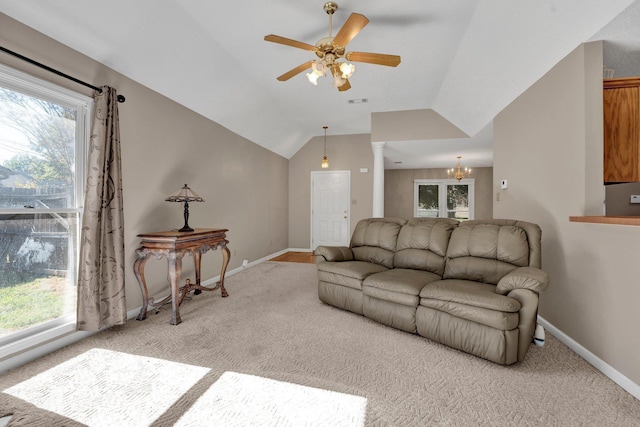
{"x": 447, "y": 198}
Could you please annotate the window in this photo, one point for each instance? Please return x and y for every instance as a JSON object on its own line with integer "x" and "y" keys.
{"x": 444, "y": 198}
{"x": 43, "y": 134}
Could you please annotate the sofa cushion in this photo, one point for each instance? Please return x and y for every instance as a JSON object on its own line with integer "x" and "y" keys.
{"x": 399, "y": 285}
{"x": 347, "y": 273}
{"x": 374, "y": 240}
{"x": 485, "y": 252}
{"x": 469, "y": 293}
{"x": 422, "y": 244}
{"x": 374, "y": 255}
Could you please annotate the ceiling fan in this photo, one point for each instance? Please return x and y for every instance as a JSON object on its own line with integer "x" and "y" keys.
{"x": 331, "y": 49}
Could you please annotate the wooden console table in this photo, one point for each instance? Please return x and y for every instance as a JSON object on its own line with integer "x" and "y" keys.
{"x": 173, "y": 245}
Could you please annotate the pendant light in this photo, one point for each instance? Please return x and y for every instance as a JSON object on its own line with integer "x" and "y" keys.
{"x": 325, "y": 162}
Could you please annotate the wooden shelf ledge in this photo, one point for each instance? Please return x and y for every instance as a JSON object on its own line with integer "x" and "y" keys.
{"x": 619, "y": 220}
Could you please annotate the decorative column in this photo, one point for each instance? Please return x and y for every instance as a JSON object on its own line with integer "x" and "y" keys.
{"x": 378, "y": 178}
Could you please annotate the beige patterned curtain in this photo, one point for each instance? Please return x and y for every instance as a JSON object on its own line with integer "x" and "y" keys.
{"x": 101, "y": 300}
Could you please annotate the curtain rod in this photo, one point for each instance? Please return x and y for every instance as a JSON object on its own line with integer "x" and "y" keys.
{"x": 54, "y": 71}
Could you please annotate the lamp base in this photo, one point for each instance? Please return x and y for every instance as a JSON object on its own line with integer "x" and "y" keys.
{"x": 186, "y": 218}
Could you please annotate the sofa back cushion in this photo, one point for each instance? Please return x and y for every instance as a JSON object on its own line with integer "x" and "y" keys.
{"x": 486, "y": 250}
{"x": 422, "y": 244}
{"x": 374, "y": 240}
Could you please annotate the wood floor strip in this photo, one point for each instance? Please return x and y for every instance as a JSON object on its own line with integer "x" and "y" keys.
{"x": 302, "y": 257}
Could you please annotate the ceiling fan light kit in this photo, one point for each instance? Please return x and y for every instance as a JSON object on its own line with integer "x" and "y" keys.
{"x": 330, "y": 50}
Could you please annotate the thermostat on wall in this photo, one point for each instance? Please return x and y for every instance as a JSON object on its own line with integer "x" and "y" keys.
{"x": 635, "y": 198}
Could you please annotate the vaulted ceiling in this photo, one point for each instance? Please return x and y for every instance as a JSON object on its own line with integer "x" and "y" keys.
{"x": 465, "y": 59}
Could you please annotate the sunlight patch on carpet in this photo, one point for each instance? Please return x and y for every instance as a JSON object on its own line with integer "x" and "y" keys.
{"x": 108, "y": 388}
{"x": 242, "y": 400}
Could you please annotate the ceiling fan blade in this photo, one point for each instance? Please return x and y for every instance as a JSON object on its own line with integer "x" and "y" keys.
{"x": 300, "y": 68}
{"x": 374, "y": 58}
{"x": 350, "y": 29}
{"x": 345, "y": 86}
{"x": 289, "y": 42}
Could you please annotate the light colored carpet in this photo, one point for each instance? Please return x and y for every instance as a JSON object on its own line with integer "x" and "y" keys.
{"x": 109, "y": 388}
{"x": 273, "y": 329}
{"x": 247, "y": 400}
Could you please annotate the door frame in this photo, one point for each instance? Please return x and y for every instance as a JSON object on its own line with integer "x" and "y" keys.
{"x": 313, "y": 175}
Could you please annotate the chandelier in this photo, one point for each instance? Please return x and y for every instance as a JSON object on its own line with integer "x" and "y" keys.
{"x": 325, "y": 162}
{"x": 459, "y": 173}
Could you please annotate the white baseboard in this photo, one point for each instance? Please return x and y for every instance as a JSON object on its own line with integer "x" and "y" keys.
{"x": 599, "y": 364}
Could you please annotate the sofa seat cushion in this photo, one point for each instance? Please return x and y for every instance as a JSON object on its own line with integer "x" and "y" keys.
{"x": 399, "y": 285}
{"x": 348, "y": 273}
{"x": 470, "y": 293}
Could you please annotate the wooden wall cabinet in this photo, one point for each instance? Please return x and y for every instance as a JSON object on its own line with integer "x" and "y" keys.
{"x": 621, "y": 130}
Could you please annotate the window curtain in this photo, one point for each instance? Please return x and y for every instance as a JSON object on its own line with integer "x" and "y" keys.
{"x": 101, "y": 295}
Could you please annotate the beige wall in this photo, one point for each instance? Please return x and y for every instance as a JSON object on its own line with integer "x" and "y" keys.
{"x": 164, "y": 146}
{"x": 398, "y": 190}
{"x": 345, "y": 152}
{"x": 544, "y": 144}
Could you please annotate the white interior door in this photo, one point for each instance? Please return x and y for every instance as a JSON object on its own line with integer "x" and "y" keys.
{"x": 330, "y": 196}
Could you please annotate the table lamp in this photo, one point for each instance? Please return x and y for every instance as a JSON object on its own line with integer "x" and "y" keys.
{"x": 186, "y": 195}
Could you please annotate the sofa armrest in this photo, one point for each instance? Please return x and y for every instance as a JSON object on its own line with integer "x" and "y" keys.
{"x": 530, "y": 278}
{"x": 333, "y": 253}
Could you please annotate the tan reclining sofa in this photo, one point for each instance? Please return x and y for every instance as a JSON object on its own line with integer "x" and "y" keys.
{"x": 470, "y": 285}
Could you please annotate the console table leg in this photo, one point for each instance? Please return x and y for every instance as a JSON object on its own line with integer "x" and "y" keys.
{"x": 197, "y": 261}
{"x": 226, "y": 254}
{"x": 175, "y": 269}
{"x": 138, "y": 269}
